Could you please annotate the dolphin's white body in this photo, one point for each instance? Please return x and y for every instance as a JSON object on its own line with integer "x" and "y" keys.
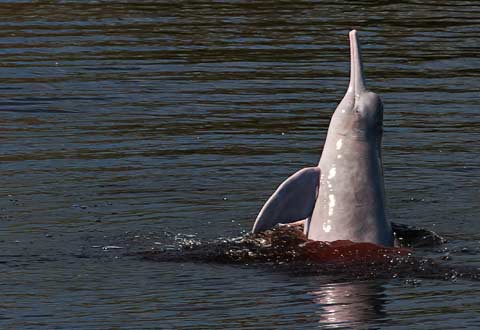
{"x": 343, "y": 197}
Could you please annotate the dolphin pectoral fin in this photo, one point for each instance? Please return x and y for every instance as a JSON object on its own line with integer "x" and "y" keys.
{"x": 293, "y": 200}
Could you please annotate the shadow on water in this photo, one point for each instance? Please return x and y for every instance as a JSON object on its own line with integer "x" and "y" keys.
{"x": 285, "y": 248}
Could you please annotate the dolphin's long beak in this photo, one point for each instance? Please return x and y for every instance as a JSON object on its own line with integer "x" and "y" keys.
{"x": 357, "y": 82}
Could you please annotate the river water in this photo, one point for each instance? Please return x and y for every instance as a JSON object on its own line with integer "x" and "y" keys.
{"x": 123, "y": 124}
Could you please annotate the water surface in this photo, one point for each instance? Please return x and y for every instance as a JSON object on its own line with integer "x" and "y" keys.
{"x": 165, "y": 119}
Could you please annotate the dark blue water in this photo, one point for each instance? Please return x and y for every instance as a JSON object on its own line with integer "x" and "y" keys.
{"x": 155, "y": 120}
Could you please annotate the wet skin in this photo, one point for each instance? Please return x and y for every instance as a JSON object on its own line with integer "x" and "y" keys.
{"x": 343, "y": 198}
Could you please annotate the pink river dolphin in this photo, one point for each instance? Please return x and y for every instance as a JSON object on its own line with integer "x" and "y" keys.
{"x": 343, "y": 198}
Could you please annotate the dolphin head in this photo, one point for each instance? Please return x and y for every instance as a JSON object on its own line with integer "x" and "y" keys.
{"x": 360, "y": 113}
